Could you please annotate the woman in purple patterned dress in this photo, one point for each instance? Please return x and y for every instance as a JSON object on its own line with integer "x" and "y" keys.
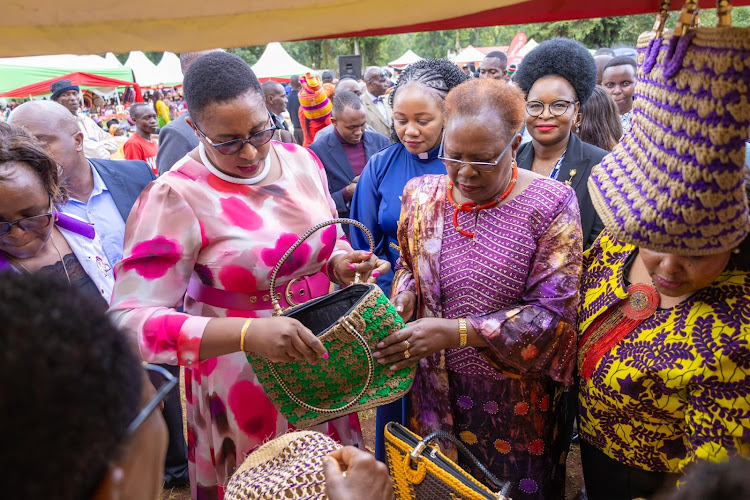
{"x": 490, "y": 265}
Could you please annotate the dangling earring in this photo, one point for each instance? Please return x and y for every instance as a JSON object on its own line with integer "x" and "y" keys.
{"x": 578, "y": 128}
{"x": 736, "y": 251}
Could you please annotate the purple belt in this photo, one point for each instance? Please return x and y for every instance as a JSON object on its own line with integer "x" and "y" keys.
{"x": 294, "y": 292}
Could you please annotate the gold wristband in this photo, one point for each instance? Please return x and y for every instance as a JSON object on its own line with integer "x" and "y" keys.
{"x": 463, "y": 332}
{"x": 243, "y": 332}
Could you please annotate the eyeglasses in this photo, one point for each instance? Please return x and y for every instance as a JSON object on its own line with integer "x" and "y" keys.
{"x": 556, "y": 108}
{"x": 235, "y": 145}
{"x": 483, "y": 166}
{"x": 33, "y": 223}
{"x": 163, "y": 382}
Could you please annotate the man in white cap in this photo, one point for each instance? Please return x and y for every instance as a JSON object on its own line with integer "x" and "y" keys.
{"x": 96, "y": 142}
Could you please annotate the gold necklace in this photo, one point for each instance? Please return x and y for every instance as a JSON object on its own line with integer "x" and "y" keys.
{"x": 65, "y": 268}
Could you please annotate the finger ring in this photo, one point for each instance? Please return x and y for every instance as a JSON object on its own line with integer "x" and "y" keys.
{"x": 406, "y": 354}
{"x": 407, "y": 344}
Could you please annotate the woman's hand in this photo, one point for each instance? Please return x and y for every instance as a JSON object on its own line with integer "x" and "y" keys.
{"x": 405, "y": 303}
{"x": 367, "y": 264}
{"x": 282, "y": 340}
{"x": 353, "y": 473}
{"x": 420, "y": 338}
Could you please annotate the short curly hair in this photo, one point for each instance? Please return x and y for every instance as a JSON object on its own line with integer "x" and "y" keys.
{"x": 217, "y": 77}
{"x": 20, "y": 147}
{"x": 474, "y": 96}
{"x": 561, "y": 57}
{"x": 440, "y": 75}
{"x": 71, "y": 386}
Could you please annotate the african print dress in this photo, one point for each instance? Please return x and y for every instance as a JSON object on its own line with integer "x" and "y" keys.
{"x": 191, "y": 224}
{"x": 677, "y": 388}
{"x": 517, "y": 283}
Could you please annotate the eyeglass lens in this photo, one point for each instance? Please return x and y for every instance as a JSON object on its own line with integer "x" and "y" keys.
{"x": 26, "y": 224}
{"x": 256, "y": 140}
{"x": 556, "y": 108}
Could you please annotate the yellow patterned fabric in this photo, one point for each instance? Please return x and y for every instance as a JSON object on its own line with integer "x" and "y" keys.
{"x": 677, "y": 388}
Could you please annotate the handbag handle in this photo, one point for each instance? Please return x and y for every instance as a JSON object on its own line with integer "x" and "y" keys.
{"x": 689, "y": 16}
{"x": 682, "y": 36}
{"x": 276, "y": 308}
{"x": 370, "y": 375}
{"x": 504, "y": 486}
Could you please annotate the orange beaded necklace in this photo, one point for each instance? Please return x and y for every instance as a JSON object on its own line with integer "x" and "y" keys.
{"x": 470, "y": 206}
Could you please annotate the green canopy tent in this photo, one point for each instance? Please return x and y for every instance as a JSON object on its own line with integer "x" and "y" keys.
{"x": 13, "y": 76}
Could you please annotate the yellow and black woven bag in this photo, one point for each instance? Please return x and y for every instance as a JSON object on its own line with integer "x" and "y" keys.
{"x": 420, "y": 471}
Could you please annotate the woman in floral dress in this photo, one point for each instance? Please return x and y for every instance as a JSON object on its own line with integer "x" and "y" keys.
{"x": 210, "y": 231}
{"x": 490, "y": 266}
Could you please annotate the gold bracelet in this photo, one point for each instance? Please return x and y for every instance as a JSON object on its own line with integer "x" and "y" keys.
{"x": 463, "y": 332}
{"x": 336, "y": 275}
{"x": 243, "y": 332}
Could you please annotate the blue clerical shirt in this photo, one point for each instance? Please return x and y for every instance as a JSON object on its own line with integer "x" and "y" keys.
{"x": 102, "y": 212}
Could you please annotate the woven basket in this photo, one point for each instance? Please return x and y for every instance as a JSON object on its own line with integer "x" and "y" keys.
{"x": 289, "y": 467}
{"x": 675, "y": 182}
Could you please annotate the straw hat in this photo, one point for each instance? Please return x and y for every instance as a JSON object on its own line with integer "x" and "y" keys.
{"x": 676, "y": 181}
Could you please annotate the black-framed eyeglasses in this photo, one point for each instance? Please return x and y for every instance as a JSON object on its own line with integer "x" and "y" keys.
{"x": 234, "y": 146}
{"x": 484, "y": 166}
{"x": 556, "y": 108}
{"x": 33, "y": 223}
{"x": 163, "y": 382}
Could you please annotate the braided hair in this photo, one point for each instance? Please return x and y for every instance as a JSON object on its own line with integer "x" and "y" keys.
{"x": 561, "y": 57}
{"x": 438, "y": 75}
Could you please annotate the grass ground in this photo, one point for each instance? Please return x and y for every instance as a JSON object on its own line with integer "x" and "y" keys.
{"x": 574, "y": 480}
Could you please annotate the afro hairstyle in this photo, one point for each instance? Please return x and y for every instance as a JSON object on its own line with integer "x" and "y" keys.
{"x": 561, "y": 57}
{"x": 72, "y": 384}
{"x": 218, "y": 77}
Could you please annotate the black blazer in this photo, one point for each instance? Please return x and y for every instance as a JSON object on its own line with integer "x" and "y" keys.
{"x": 580, "y": 157}
{"x": 338, "y": 169}
{"x": 125, "y": 179}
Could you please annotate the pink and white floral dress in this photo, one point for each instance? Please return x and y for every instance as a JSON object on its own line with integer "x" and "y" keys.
{"x": 192, "y": 223}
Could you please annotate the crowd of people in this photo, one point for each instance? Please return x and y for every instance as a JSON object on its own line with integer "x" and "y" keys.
{"x": 506, "y": 216}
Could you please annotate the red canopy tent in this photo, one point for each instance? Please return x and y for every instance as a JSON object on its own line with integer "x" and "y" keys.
{"x": 77, "y": 78}
{"x": 533, "y": 11}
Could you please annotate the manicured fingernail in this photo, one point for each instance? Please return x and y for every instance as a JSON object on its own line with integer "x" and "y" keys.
{"x": 368, "y": 253}
{"x": 381, "y": 345}
{"x": 399, "y": 308}
{"x": 393, "y": 368}
{"x": 375, "y": 274}
{"x": 325, "y": 356}
{"x": 315, "y": 363}
{"x": 352, "y": 266}
{"x": 376, "y": 354}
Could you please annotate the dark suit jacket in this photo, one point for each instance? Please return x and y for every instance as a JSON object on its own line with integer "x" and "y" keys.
{"x": 338, "y": 169}
{"x": 176, "y": 140}
{"x": 580, "y": 157}
{"x": 125, "y": 180}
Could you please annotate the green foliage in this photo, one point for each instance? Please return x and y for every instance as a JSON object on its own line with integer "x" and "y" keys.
{"x": 250, "y": 54}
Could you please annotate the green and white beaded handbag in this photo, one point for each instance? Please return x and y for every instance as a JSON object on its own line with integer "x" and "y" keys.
{"x": 350, "y": 322}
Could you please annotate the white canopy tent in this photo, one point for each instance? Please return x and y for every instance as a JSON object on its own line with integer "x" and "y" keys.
{"x": 408, "y": 58}
{"x": 530, "y": 45}
{"x": 468, "y": 55}
{"x": 169, "y": 70}
{"x": 110, "y": 57}
{"x": 144, "y": 70}
{"x": 62, "y": 61}
{"x": 276, "y": 63}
